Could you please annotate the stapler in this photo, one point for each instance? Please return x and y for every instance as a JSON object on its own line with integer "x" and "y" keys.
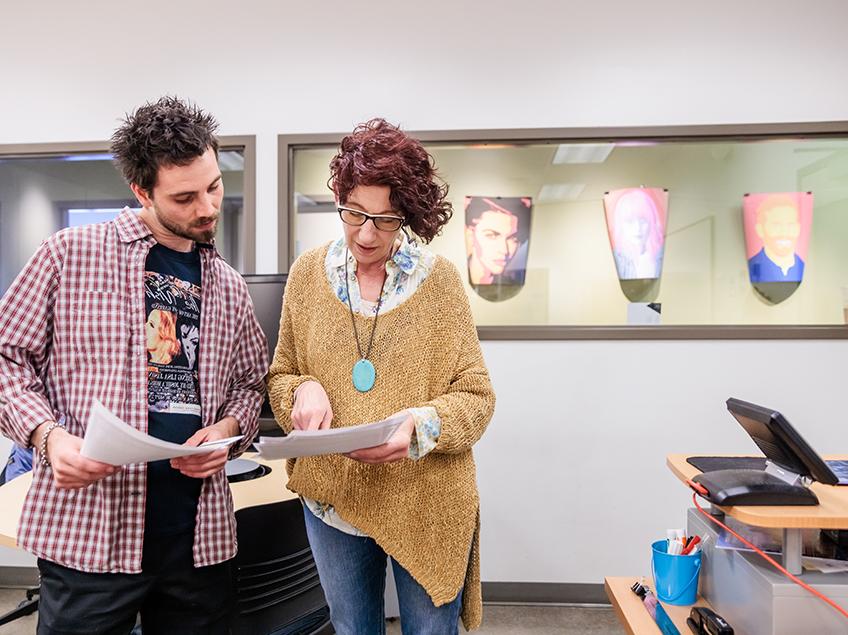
{"x": 704, "y": 621}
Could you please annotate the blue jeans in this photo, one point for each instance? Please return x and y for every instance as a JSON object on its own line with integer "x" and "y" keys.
{"x": 353, "y": 573}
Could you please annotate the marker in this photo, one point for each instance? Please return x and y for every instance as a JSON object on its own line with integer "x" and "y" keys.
{"x": 691, "y": 546}
{"x": 655, "y": 609}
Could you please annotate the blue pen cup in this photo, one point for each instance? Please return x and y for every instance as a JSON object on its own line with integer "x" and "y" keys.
{"x": 675, "y": 577}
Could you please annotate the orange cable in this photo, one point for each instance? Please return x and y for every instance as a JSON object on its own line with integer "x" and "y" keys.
{"x": 770, "y": 560}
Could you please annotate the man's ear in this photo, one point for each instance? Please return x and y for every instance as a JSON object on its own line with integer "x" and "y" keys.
{"x": 759, "y": 229}
{"x": 141, "y": 195}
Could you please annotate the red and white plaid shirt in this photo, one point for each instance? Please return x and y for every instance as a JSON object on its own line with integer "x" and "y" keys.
{"x": 72, "y": 330}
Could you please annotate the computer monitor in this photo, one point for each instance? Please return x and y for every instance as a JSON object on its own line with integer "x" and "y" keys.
{"x": 266, "y": 291}
{"x": 780, "y": 442}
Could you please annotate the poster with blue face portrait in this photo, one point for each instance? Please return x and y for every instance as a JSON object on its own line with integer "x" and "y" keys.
{"x": 497, "y": 241}
{"x": 777, "y": 235}
{"x": 636, "y": 220}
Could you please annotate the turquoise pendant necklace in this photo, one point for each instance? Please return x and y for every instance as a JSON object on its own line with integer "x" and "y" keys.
{"x": 363, "y": 374}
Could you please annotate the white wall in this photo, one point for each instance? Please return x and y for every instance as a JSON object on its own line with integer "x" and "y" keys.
{"x": 601, "y": 414}
{"x": 572, "y": 470}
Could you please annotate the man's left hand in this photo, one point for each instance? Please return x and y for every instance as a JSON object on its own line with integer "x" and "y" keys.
{"x": 203, "y": 465}
{"x": 395, "y": 449}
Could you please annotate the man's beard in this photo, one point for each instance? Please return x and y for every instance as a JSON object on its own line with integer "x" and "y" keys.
{"x": 190, "y": 232}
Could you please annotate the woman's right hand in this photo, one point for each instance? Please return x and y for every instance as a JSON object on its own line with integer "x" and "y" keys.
{"x": 311, "y": 409}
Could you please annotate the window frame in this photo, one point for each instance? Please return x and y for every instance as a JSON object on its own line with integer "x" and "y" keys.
{"x": 244, "y": 143}
{"x": 288, "y": 144}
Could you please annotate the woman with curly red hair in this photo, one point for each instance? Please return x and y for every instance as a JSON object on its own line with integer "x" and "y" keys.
{"x": 161, "y": 331}
{"x": 375, "y": 325}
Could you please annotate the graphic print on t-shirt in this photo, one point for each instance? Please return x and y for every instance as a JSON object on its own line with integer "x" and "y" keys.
{"x": 172, "y": 333}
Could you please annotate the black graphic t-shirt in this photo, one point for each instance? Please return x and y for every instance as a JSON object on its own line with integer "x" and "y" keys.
{"x": 172, "y": 333}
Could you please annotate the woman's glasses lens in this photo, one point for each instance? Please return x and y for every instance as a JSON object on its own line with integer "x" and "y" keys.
{"x": 352, "y": 218}
{"x": 387, "y": 224}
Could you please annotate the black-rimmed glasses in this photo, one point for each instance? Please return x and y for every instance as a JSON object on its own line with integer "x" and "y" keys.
{"x": 382, "y": 222}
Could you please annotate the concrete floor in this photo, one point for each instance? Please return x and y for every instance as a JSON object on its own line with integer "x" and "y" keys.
{"x": 549, "y": 620}
{"x": 541, "y": 620}
{"x": 497, "y": 619}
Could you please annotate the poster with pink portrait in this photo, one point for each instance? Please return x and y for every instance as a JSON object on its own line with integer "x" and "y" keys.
{"x": 777, "y": 235}
{"x": 636, "y": 221}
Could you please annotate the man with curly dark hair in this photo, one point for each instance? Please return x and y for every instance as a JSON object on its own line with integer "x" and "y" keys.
{"x": 89, "y": 307}
{"x": 375, "y": 325}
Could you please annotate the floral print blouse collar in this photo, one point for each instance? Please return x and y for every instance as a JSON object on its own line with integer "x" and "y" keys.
{"x": 406, "y": 255}
{"x": 406, "y": 270}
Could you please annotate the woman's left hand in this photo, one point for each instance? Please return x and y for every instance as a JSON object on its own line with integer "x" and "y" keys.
{"x": 395, "y": 449}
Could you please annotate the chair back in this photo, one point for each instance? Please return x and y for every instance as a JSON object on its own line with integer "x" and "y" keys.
{"x": 277, "y": 586}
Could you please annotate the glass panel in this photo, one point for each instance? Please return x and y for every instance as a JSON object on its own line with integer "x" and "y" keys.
{"x": 41, "y": 195}
{"x": 571, "y": 276}
{"x": 77, "y": 217}
{"x": 230, "y": 236}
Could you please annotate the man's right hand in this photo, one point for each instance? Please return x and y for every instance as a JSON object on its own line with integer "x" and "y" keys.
{"x": 311, "y": 409}
{"x": 70, "y": 469}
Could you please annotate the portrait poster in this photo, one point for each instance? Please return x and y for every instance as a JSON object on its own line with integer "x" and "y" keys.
{"x": 777, "y": 235}
{"x": 636, "y": 222}
{"x": 497, "y": 241}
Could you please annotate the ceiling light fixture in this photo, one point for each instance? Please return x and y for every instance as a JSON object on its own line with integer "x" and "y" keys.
{"x": 582, "y": 152}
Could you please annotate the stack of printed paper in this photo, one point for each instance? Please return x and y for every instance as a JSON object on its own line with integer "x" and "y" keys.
{"x": 332, "y": 441}
{"x": 110, "y": 440}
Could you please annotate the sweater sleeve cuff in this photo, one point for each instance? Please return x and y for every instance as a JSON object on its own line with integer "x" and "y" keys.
{"x": 285, "y": 400}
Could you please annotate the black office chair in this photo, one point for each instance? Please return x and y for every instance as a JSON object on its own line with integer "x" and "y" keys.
{"x": 26, "y": 607}
{"x": 277, "y": 587}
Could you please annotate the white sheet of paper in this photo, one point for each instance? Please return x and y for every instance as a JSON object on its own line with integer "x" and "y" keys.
{"x": 825, "y": 565}
{"x": 110, "y": 440}
{"x": 332, "y": 441}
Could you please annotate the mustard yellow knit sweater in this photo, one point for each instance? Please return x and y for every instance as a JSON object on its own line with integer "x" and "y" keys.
{"x": 425, "y": 513}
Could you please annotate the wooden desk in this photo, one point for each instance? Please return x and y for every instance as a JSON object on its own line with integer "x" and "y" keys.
{"x": 830, "y": 513}
{"x": 12, "y": 496}
{"x": 267, "y": 489}
{"x": 633, "y": 614}
{"x": 270, "y": 488}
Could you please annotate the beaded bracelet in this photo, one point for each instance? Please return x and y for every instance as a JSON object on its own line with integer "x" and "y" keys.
{"x": 42, "y": 450}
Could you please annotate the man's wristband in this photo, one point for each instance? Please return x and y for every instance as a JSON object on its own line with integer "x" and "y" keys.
{"x": 42, "y": 450}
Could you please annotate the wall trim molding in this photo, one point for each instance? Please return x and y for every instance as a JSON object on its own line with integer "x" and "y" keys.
{"x": 18, "y": 577}
{"x": 544, "y": 593}
{"x": 493, "y": 592}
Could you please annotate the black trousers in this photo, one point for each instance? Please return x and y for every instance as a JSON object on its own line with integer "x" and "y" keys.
{"x": 173, "y": 597}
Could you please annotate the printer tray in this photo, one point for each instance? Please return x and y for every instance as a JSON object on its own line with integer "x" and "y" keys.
{"x": 713, "y": 463}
